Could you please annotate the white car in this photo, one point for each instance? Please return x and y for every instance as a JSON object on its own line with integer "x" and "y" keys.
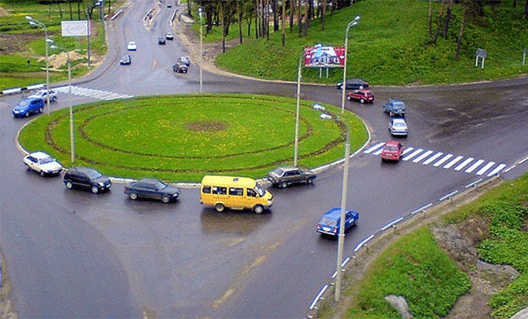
{"x": 169, "y": 36}
{"x": 43, "y": 94}
{"x": 398, "y": 127}
{"x": 132, "y": 46}
{"x": 42, "y": 163}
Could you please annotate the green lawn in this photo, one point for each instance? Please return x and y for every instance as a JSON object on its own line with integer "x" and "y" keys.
{"x": 391, "y": 45}
{"x": 182, "y": 138}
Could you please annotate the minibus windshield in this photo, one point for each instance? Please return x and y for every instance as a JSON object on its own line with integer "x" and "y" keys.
{"x": 261, "y": 191}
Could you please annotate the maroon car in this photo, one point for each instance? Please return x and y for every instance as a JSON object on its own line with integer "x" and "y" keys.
{"x": 363, "y": 96}
{"x": 392, "y": 151}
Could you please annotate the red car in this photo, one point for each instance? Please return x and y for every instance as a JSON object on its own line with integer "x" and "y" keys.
{"x": 392, "y": 151}
{"x": 362, "y": 96}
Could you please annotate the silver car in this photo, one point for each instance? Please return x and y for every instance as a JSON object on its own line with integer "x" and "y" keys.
{"x": 398, "y": 127}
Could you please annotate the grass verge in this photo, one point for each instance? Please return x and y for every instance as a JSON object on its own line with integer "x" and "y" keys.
{"x": 414, "y": 266}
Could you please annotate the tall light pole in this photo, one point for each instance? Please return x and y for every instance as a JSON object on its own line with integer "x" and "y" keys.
{"x": 201, "y": 13}
{"x": 296, "y": 143}
{"x": 88, "y": 31}
{"x": 341, "y": 238}
{"x": 43, "y": 26}
{"x": 350, "y": 25}
{"x": 72, "y": 132}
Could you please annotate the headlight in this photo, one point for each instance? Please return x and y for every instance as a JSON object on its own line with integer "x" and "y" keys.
{"x": 100, "y": 184}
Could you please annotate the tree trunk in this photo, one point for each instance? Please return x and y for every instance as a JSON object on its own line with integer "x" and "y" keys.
{"x": 526, "y": 10}
{"x": 323, "y": 13}
{"x": 430, "y": 17}
{"x": 461, "y": 33}
{"x": 439, "y": 23}
{"x": 447, "y": 19}
{"x": 299, "y": 17}
{"x": 292, "y": 14}
{"x": 222, "y": 23}
{"x": 239, "y": 14}
{"x": 283, "y": 22}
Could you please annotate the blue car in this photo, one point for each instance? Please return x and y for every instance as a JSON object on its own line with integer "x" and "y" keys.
{"x": 395, "y": 108}
{"x": 329, "y": 223}
{"x": 28, "y": 106}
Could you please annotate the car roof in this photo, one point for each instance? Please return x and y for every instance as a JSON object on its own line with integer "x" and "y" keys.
{"x": 398, "y": 120}
{"x": 82, "y": 169}
{"x": 148, "y": 180}
{"x": 335, "y": 212}
{"x": 39, "y": 155}
{"x": 396, "y": 143}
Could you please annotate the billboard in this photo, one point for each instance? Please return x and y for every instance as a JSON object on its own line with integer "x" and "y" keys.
{"x": 76, "y": 28}
{"x": 320, "y": 56}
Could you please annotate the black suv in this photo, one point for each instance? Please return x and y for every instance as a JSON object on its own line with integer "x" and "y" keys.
{"x": 286, "y": 175}
{"x": 87, "y": 178}
{"x": 179, "y": 68}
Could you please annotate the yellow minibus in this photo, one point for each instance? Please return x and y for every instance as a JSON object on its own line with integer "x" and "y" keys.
{"x": 234, "y": 193}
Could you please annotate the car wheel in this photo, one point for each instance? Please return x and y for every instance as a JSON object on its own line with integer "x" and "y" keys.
{"x": 54, "y": 99}
{"x": 362, "y": 101}
{"x": 309, "y": 181}
{"x": 349, "y": 98}
{"x": 27, "y": 167}
{"x": 41, "y": 109}
{"x": 165, "y": 198}
{"x": 283, "y": 185}
{"x": 42, "y": 173}
{"x": 258, "y": 209}
{"x": 95, "y": 189}
{"x": 69, "y": 185}
{"x": 219, "y": 207}
{"x": 132, "y": 196}
{"x": 27, "y": 114}
{"x": 391, "y": 114}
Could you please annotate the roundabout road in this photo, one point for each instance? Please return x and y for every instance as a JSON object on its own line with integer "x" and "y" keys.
{"x": 75, "y": 254}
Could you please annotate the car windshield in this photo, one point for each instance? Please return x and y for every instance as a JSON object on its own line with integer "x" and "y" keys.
{"x": 327, "y": 221}
{"x": 260, "y": 190}
{"x": 23, "y": 103}
{"x": 160, "y": 185}
{"x": 390, "y": 148}
{"x": 278, "y": 171}
{"x": 399, "y": 124}
{"x": 399, "y": 104}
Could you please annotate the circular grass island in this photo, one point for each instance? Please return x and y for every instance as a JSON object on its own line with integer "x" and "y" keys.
{"x": 182, "y": 138}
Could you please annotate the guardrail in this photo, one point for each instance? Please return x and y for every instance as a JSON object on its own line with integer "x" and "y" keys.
{"x": 20, "y": 90}
{"x": 312, "y": 310}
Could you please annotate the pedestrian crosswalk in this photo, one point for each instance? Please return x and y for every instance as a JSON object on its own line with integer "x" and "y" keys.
{"x": 447, "y": 161}
{"x": 96, "y": 94}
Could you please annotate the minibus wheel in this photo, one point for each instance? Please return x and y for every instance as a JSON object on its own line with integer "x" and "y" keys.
{"x": 258, "y": 209}
{"x": 219, "y": 207}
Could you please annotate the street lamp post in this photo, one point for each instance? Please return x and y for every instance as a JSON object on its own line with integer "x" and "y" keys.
{"x": 296, "y": 143}
{"x": 340, "y": 244}
{"x": 43, "y": 26}
{"x": 340, "y": 239}
{"x": 88, "y": 33}
{"x": 351, "y": 24}
{"x": 72, "y": 132}
{"x": 200, "y": 13}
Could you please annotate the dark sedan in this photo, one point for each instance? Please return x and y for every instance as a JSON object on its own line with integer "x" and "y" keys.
{"x": 152, "y": 189}
{"x": 353, "y": 84}
{"x": 286, "y": 175}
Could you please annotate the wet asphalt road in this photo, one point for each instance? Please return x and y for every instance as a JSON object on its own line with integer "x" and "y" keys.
{"x": 75, "y": 254}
